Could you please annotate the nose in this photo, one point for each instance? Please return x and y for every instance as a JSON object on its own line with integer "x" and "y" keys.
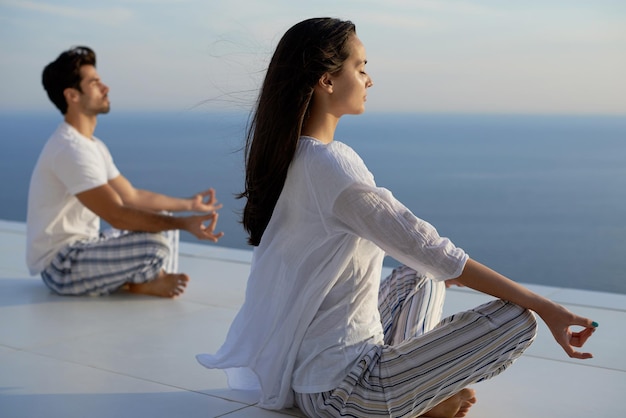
{"x": 369, "y": 83}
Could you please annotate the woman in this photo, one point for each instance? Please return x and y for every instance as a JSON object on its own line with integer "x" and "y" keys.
{"x": 318, "y": 328}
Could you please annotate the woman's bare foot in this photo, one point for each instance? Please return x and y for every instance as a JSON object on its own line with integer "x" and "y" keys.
{"x": 455, "y": 406}
{"x": 166, "y": 285}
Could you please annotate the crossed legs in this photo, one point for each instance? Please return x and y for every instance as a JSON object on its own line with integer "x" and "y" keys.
{"x": 138, "y": 261}
{"x": 426, "y": 365}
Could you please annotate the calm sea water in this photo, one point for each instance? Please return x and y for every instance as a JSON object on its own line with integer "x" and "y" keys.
{"x": 541, "y": 199}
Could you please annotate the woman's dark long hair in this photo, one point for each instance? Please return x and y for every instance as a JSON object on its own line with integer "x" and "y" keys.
{"x": 305, "y": 53}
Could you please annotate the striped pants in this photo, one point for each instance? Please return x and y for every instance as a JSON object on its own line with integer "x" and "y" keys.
{"x": 424, "y": 360}
{"x": 103, "y": 265}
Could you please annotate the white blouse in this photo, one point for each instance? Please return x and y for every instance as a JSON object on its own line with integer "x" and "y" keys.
{"x": 311, "y": 305}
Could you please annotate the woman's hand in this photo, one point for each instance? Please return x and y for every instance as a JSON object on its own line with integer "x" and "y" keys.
{"x": 559, "y": 320}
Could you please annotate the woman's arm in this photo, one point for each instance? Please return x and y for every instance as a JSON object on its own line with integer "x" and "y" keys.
{"x": 374, "y": 214}
{"x": 556, "y": 317}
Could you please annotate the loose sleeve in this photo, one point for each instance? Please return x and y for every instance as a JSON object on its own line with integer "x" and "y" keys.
{"x": 373, "y": 213}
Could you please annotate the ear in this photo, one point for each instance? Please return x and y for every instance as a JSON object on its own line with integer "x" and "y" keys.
{"x": 71, "y": 95}
{"x": 326, "y": 83}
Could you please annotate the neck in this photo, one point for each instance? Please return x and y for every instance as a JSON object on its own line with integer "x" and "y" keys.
{"x": 84, "y": 124}
{"x": 321, "y": 126}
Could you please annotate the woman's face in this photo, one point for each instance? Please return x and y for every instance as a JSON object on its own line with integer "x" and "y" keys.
{"x": 349, "y": 86}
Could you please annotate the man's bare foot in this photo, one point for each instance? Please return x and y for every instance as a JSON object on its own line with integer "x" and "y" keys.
{"x": 166, "y": 285}
{"x": 455, "y": 406}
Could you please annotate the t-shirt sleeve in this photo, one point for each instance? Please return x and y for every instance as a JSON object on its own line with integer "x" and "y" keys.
{"x": 110, "y": 166}
{"x": 373, "y": 213}
{"x": 80, "y": 168}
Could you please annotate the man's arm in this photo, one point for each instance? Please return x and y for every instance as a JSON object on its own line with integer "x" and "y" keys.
{"x": 105, "y": 202}
{"x": 144, "y": 199}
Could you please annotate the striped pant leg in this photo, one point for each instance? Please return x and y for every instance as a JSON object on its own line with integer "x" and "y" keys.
{"x": 463, "y": 349}
{"x": 351, "y": 397}
{"x": 170, "y": 265}
{"x": 412, "y": 377}
{"x": 409, "y": 303}
{"x": 173, "y": 237}
{"x": 101, "y": 266}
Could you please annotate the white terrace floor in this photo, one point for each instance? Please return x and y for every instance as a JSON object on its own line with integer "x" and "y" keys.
{"x": 129, "y": 356}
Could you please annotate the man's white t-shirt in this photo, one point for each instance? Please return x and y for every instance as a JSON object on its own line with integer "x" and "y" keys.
{"x": 69, "y": 163}
{"x": 311, "y": 306}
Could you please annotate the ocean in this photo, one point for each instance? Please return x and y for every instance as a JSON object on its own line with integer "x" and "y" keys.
{"x": 541, "y": 199}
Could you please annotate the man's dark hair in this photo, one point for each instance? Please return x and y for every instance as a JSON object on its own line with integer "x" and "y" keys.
{"x": 64, "y": 72}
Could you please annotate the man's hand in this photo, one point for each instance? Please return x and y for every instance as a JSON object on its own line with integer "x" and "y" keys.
{"x": 196, "y": 225}
{"x": 205, "y": 202}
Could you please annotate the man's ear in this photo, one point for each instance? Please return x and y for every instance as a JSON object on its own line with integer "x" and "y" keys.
{"x": 71, "y": 95}
{"x": 326, "y": 83}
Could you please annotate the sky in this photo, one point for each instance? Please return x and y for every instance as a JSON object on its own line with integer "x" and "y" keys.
{"x": 432, "y": 56}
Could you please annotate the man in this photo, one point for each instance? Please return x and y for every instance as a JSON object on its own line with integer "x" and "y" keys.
{"x": 75, "y": 183}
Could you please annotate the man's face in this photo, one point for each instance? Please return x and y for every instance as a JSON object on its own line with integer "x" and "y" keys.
{"x": 93, "y": 99}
